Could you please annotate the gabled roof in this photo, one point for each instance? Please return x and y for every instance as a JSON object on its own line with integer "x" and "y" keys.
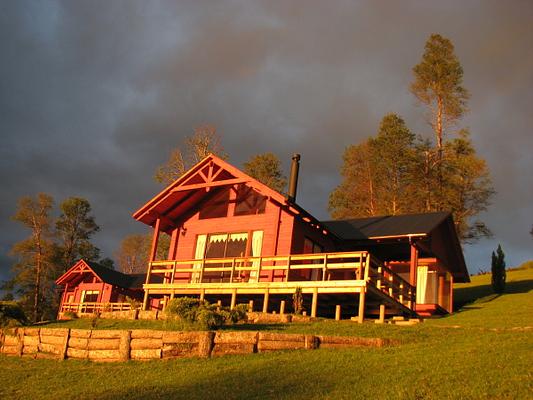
{"x": 386, "y": 226}
{"x": 436, "y": 232}
{"x": 107, "y": 275}
{"x": 202, "y": 180}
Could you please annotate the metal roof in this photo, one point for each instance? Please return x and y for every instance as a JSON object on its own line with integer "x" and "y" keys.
{"x": 117, "y": 278}
{"x": 386, "y": 226}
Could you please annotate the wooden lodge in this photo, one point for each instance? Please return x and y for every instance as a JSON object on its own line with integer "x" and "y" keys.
{"x": 89, "y": 287}
{"x": 235, "y": 240}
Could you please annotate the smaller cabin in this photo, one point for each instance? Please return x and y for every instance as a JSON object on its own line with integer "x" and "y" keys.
{"x": 89, "y": 287}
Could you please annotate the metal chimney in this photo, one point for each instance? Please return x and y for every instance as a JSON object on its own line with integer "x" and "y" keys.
{"x": 293, "y": 182}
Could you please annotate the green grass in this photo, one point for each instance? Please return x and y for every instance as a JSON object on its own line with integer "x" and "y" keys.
{"x": 485, "y": 351}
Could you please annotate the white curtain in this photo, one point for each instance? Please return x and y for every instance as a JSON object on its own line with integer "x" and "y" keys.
{"x": 215, "y": 239}
{"x": 198, "y": 255}
{"x": 421, "y": 285}
{"x": 257, "y": 244}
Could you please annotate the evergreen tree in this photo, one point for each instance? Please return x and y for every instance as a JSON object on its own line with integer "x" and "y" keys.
{"x": 266, "y": 168}
{"x": 467, "y": 187}
{"x": 438, "y": 85}
{"x": 355, "y": 196}
{"x": 498, "y": 270}
{"x": 33, "y": 270}
{"x": 75, "y": 227}
{"x": 379, "y": 174}
{"x": 204, "y": 141}
{"x": 393, "y": 153}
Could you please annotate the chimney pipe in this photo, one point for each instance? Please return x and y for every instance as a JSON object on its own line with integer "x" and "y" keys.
{"x": 293, "y": 182}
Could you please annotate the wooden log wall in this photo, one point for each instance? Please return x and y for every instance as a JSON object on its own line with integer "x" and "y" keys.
{"x": 144, "y": 344}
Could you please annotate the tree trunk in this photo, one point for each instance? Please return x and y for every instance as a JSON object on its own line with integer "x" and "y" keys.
{"x": 439, "y": 149}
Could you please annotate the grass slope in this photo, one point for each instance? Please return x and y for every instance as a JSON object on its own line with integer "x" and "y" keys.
{"x": 485, "y": 351}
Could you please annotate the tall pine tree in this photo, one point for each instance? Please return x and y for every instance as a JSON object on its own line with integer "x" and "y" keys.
{"x": 33, "y": 268}
{"x": 266, "y": 168}
{"x": 75, "y": 227}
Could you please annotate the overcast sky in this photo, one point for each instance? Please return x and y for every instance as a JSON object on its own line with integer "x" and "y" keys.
{"x": 95, "y": 94}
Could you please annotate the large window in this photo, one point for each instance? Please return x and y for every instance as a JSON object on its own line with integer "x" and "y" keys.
{"x": 90, "y": 296}
{"x": 224, "y": 245}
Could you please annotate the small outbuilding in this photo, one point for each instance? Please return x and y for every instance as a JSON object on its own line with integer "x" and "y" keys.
{"x": 89, "y": 287}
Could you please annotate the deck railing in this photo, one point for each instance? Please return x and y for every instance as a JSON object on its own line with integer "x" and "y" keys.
{"x": 341, "y": 266}
{"x": 92, "y": 307}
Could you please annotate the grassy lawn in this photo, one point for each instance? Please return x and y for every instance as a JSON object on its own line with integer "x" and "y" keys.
{"x": 485, "y": 351}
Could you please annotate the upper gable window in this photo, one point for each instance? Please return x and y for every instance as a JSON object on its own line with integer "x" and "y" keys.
{"x": 249, "y": 201}
{"x": 217, "y": 206}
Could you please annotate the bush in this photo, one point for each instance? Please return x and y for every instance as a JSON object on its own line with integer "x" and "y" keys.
{"x": 11, "y": 314}
{"x": 70, "y": 315}
{"x": 203, "y": 314}
{"x": 134, "y": 304}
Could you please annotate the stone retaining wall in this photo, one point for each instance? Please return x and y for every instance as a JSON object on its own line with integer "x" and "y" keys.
{"x": 144, "y": 344}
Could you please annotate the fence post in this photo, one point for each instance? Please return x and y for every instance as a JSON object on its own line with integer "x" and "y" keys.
{"x": 337, "y": 312}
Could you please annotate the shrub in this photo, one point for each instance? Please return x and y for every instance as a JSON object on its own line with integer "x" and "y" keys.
{"x": 70, "y": 315}
{"x": 186, "y": 308}
{"x": 11, "y": 314}
{"x": 134, "y": 303}
{"x": 203, "y": 314}
{"x": 209, "y": 318}
{"x": 298, "y": 301}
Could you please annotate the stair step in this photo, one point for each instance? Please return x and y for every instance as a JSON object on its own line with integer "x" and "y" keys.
{"x": 410, "y": 322}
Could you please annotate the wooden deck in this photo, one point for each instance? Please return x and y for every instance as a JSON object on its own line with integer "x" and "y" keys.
{"x": 315, "y": 274}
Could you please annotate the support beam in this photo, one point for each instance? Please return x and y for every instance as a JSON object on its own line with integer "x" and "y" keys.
{"x": 314, "y": 303}
{"x": 145, "y": 300}
{"x": 381, "y": 314}
{"x": 265, "y": 302}
{"x": 337, "y": 312}
{"x": 202, "y": 294}
{"x": 450, "y": 305}
{"x": 233, "y": 299}
{"x": 361, "y": 314}
{"x": 413, "y": 266}
{"x": 155, "y": 239}
{"x": 282, "y": 307}
{"x": 251, "y": 306}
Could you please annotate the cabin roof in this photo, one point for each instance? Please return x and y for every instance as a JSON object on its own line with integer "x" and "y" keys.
{"x": 434, "y": 233}
{"x": 202, "y": 180}
{"x": 386, "y": 225}
{"x": 107, "y": 275}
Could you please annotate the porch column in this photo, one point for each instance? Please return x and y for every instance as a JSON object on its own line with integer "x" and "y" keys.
{"x": 441, "y": 290}
{"x": 361, "y": 315}
{"x": 450, "y": 306}
{"x": 153, "y": 253}
{"x": 172, "y": 253}
{"x": 63, "y": 298}
{"x": 413, "y": 266}
{"x": 155, "y": 239}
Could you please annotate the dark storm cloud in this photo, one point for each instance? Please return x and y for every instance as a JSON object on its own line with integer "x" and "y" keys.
{"x": 93, "y": 95}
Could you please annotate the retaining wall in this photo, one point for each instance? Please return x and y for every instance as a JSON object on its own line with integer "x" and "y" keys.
{"x": 144, "y": 344}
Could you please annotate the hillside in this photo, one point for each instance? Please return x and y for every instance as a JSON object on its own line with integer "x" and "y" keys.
{"x": 484, "y": 351}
